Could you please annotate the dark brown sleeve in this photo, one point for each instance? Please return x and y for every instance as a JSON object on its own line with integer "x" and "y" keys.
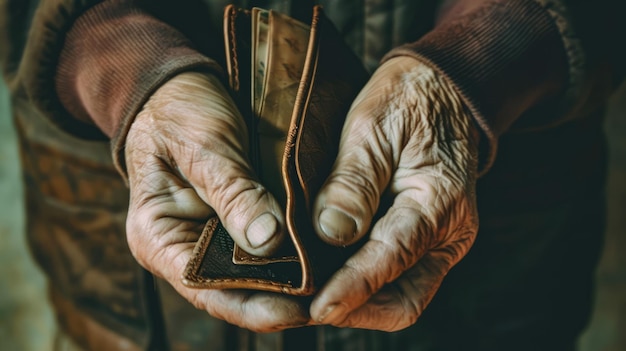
{"x": 503, "y": 56}
{"x": 114, "y": 56}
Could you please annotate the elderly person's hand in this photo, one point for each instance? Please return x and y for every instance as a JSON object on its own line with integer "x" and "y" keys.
{"x": 186, "y": 160}
{"x": 410, "y": 142}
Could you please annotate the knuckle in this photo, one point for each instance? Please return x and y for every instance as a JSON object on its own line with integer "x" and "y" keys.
{"x": 357, "y": 193}
{"x": 382, "y": 265}
{"x": 400, "y": 322}
{"x": 411, "y": 312}
{"x": 457, "y": 249}
{"x": 199, "y": 302}
{"x": 399, "y": 253}
{"x": 364, "y": 282}
{"x": 237, "y": 196}
{"x": 413, "y": 234}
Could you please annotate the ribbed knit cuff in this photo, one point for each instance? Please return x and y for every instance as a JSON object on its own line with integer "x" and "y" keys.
{"x": 114, "y": 57}
{"x": 504, "y": 57}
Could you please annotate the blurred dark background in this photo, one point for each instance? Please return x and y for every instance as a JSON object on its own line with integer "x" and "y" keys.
{"x": 27, "y": 323}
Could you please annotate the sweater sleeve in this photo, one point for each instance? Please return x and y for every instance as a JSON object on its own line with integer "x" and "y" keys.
{"x": 505, "y": 58}
{"x": 114, "y": 56}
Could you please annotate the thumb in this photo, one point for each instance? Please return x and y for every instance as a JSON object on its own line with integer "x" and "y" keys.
{"x": 204, "y": 138}
{"x": 247, "y": 210}
{"x": 350, "y": 197}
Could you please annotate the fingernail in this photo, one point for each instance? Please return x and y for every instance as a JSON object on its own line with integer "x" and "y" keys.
{"x": 261, "y": 230}
{"x": 337, "y": 225}
{"x": 333, "y": 313}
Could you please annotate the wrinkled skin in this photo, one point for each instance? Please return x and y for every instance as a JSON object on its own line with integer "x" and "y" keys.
{"x": 184, "y": 151}
{"x": 408, "y": 139}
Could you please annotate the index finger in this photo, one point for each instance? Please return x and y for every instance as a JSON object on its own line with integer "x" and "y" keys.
{"x": 261, "y": 312}
{"x": 397, "y": 241}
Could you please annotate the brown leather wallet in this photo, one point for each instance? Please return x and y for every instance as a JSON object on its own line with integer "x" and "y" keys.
{"x": 293, "y": 84}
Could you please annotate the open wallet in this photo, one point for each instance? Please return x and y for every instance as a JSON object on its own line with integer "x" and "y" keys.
{"x": 293, "y": 84}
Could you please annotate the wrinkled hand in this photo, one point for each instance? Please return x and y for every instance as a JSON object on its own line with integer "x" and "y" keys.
{"x": 186, "y": 160}
{"x": 407, "y": 138}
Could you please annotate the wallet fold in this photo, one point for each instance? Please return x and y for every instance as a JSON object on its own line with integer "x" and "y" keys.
{"x": 293, "y": 84}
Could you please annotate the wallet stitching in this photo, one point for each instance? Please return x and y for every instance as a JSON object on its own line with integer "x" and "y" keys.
{"x": 243, "y": 280}
{"x": 271, "y": 260}
{"x": 191, "y": 273}
{"x": 291, "y": 145}
{"x": 233, "y": 47}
